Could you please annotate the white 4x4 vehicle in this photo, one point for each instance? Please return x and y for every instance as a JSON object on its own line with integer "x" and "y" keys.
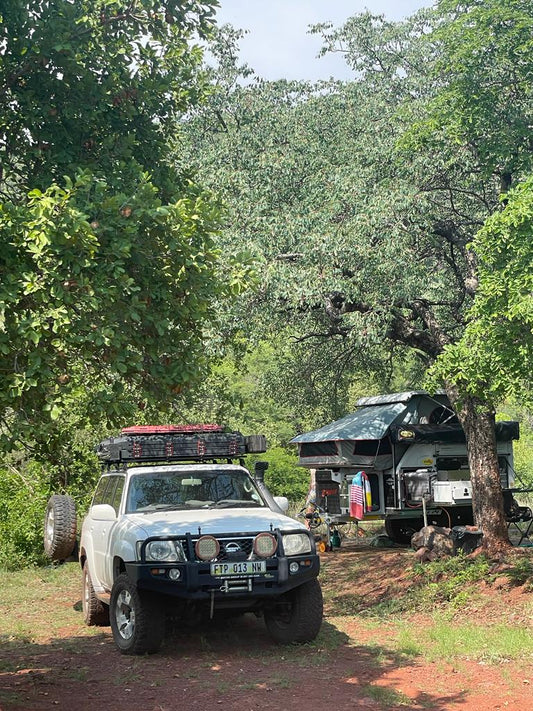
{"x": 171, "y": 529}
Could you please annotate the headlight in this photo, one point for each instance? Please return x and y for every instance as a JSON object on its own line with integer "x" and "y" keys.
{"x": 165, "y": 552}
{"x": 296, "y": 544}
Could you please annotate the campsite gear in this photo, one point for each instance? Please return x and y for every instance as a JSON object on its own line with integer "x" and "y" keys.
{"x": 335, "y": 539}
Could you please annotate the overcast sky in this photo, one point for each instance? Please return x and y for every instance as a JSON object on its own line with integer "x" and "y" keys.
{"x": 278, "y": 46}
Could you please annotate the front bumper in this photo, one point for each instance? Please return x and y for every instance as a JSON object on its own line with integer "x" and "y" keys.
{"x": 194, "y": 579}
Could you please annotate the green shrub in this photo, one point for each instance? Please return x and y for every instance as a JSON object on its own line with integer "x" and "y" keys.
{"x": 283, "y": 476}
{"x": 23, "y": 497}
{"x": 25, "y": 487}
{"x": 449, "y": 579}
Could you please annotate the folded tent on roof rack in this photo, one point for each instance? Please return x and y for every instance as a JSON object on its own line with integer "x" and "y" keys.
{"x": 177, "y": 442}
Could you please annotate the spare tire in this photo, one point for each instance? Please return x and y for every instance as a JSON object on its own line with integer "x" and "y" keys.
{"x": 60, "y": 527}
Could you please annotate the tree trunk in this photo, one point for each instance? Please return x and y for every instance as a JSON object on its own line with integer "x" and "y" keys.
{"x": 477, "y": 420}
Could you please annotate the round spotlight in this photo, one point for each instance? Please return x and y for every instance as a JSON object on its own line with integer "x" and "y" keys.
{"x": 265, "y": 545}
{"x": 294, "y": 567}
{"x": 207, "y": 548}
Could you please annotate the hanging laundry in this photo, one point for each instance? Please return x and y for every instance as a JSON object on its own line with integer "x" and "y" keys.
{"x": 360, "y": 496}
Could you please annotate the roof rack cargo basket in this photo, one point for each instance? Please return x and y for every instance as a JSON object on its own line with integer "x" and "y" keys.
{"x": 164, "y": 443}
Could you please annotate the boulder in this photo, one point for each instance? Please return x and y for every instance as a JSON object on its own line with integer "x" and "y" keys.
{"x": 436, "y": 539}
{"x": 433, "y": 542}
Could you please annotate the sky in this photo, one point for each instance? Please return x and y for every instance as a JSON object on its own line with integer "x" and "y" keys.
{"x": 277, "y": 45}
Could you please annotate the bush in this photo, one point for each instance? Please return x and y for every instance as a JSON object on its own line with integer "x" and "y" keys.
{"x": 23, "y": 497}
{"x": 25, "y": 487}
{"x": 283, "y": 476}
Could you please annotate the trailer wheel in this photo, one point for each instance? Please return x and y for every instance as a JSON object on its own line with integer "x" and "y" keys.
{"x": 296, "y": 616}
{"x": 60, "y": 527}
{"x": 400, "y": 530}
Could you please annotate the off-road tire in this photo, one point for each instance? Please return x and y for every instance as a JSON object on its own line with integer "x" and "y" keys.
{"x": 60, "y": 527}
{"x": 137, "y": 618}
{"x": 95, "y": 612}
{"x": 296, "y": 616}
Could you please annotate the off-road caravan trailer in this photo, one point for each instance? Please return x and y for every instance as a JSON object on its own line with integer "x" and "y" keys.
{"x": 413, "y": 451}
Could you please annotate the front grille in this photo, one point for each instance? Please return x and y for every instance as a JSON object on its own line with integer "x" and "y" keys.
{"x": 231, "y": 548}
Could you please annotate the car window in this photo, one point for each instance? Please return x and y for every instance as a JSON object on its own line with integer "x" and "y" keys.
{"x": 109, "y": 491}
{"x": 191, "y": 490}
{"x": 117, "y": 496}
{"x": 99, "y": 494}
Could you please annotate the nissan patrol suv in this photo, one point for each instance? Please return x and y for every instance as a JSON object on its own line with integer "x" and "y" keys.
{"x": 178, "y": 526}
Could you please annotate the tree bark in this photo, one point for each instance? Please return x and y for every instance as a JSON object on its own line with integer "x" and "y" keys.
{"x": 477, "y": 420}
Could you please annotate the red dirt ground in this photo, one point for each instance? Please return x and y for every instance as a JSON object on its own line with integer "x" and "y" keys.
{"x": 235, "y": 666}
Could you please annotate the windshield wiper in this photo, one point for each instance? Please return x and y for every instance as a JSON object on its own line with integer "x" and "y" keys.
{"x": 235, "y": 503}
{"x": 160, "y": 507}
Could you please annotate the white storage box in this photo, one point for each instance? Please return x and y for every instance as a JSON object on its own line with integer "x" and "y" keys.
{"x": 461, "y": 490}
{"x": 448, "y": 492}
{"x": 442, "y": 492}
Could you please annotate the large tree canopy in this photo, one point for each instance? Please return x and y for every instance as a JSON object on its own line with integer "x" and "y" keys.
{"x": 363, "y": 198}
{"x": 95, "y": 84}
{"x": 109, "y": 268}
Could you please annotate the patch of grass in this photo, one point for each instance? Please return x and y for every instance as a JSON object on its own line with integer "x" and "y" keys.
{"x": 282, "y": 682}
{"x": 387, "y": 697}
{"x": 488, "y": 644}
{"x": 26, "y": 595}
{"x": 9, "y": 697}
{"x": 6, "y": 665}
{"x": 407, "y": 645}
{"x": 223, "y": 687}
{"x": 521, "y": 572}
{"x": 81, "y": 674}
{"x": 449, "y": 581}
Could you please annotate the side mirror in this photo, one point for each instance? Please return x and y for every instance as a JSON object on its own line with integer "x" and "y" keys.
{"x": 103, "y": 512}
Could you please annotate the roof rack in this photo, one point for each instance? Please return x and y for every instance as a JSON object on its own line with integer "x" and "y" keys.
{"x": 169, "y": 443}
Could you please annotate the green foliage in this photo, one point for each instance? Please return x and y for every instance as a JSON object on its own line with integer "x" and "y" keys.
{"x": 521, "y": 572}
{"x": 446, "y": 583}
{"x": 26, "y": 484}
{"x": 493, "y": 357}
{"x": 110, "y": 271}
{"x": 449, "y": 579}
{"x": 363, "y": 237}
{"x": 105, "y": 293}
{"x": 485, "y": 103}
{"x": 283, "y": 477}
{"x": 94, "y": 85}
{"x": 523, "y": 447}
{"x": 23, "y": 498}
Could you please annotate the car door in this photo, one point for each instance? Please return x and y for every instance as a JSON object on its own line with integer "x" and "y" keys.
{"x": 108, "y": 491}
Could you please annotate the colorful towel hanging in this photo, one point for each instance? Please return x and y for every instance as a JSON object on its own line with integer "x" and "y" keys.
{"x": 360, "y": 496}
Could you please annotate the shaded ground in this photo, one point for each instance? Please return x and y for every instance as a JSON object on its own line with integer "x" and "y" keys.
{"x": 357, "y": 662}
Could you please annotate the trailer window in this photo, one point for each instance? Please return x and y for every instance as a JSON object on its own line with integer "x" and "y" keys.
{"x": 458, "y": 469}
{"x": 372, "y": 447}
{"x": 453, "y": 468}
{"x": 318, "y": 449}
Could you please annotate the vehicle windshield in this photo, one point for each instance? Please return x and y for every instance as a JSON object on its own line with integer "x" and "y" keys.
{"x": 206, "y": 489}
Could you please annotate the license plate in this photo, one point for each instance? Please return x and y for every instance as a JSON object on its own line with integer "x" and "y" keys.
{"x": 247, "y": 567}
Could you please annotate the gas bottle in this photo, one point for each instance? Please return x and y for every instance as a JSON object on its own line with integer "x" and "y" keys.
{"x": 335, "y": 539}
